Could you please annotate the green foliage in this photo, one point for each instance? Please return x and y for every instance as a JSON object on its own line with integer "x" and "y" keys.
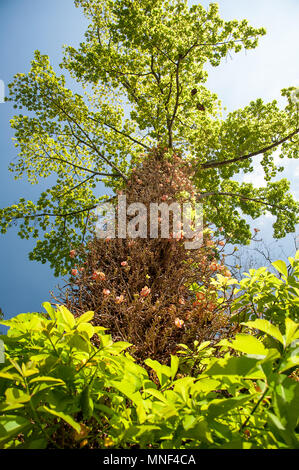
{"x": 58, "y": 390}
{"x": 53, "y": 373}
{"x": 274, "y": 297}
{"x": 143, "y": 72}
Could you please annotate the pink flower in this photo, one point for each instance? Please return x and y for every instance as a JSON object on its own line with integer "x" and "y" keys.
{"x": 213, "y": 266}
{"x": 145, "y": 291}
{"x": 98, "y": 275}
{"x": 200, "y": 295}
{"x": 179, "y": 236}
{"x": 106, "y": 292}
{"x": 74, "y": 272}
{"x": 124, "y": 263}
{"x": 119, "y": 299}
{"x": 179, "y": 323}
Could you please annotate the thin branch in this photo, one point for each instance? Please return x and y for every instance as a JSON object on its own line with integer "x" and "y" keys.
{"x": 120, "y": 132}
{"x": 219, "y": 163}
{"x": 156, "y": 75}
{"x": 85, "y": 227}
{"x": 76, "y": 187}
{"x": 178, "y": 93}
{"x": 94, "y": 173}
{"x": 49, "y": 214}
{"x": 164, "y": 53}
{"x": 68, "y": 214}
{"x": 240, "y": 196}
{"x": 213, "y": 44}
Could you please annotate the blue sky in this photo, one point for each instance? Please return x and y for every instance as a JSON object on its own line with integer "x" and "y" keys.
{"x": 27, "y": 25}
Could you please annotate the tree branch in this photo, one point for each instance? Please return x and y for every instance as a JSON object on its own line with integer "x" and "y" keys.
{"x": 94, "y": 173}
{"x": 68, "y": 214}
{"x": 178, "y": 93}
{"x": 77, "y": 186}
{"x": 219, "y": 163}
{"x": 240, "y": 196}
{"x": 121, "y": 133}
{"x": 213, "y": 44}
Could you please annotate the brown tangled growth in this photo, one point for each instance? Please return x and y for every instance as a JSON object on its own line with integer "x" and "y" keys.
{"x": 139, "y": 288}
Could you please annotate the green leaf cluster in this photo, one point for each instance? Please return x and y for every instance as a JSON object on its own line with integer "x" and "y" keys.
{"x": 58, "y": 390}
{"x": 273, "y": 296}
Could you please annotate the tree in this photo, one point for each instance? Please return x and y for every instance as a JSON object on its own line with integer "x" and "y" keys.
{"x": 143, "y": 69}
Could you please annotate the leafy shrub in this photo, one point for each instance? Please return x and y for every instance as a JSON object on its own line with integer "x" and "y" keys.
{"x": 266, "y": 295}
{"x": 59, "y": 390}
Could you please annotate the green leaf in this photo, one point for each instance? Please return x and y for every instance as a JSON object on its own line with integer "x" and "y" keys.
{"x": 174, "y": 365}
{"x": 240, "y": 367}
{"x": 86, "y": 328}
{"x": 59, "y": 414}
{"x": 86, "y": 403}
{"x": 157, "y": 394}
{"x": 67, "y": 317}
{"x": 266, "y": 327}
{"x": 281, "y": 267}
{"x": 247, "y": 344}
{"x": 15, "y": 396}
{"x": 85, "y": 318}
{"x": 9, "y": 376}
{"x": 11, "y": 426}
{"x": 205, "y": 385}
{"x": 43, "y": 378}
{"x": 197, "y": 429}
{"x": 221, "y": 407}
{"x": 50, "y": 310}
{"x": 292, "y": 332}
{"x": 290, "y": 359}
{"x": 163, "y": 372}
